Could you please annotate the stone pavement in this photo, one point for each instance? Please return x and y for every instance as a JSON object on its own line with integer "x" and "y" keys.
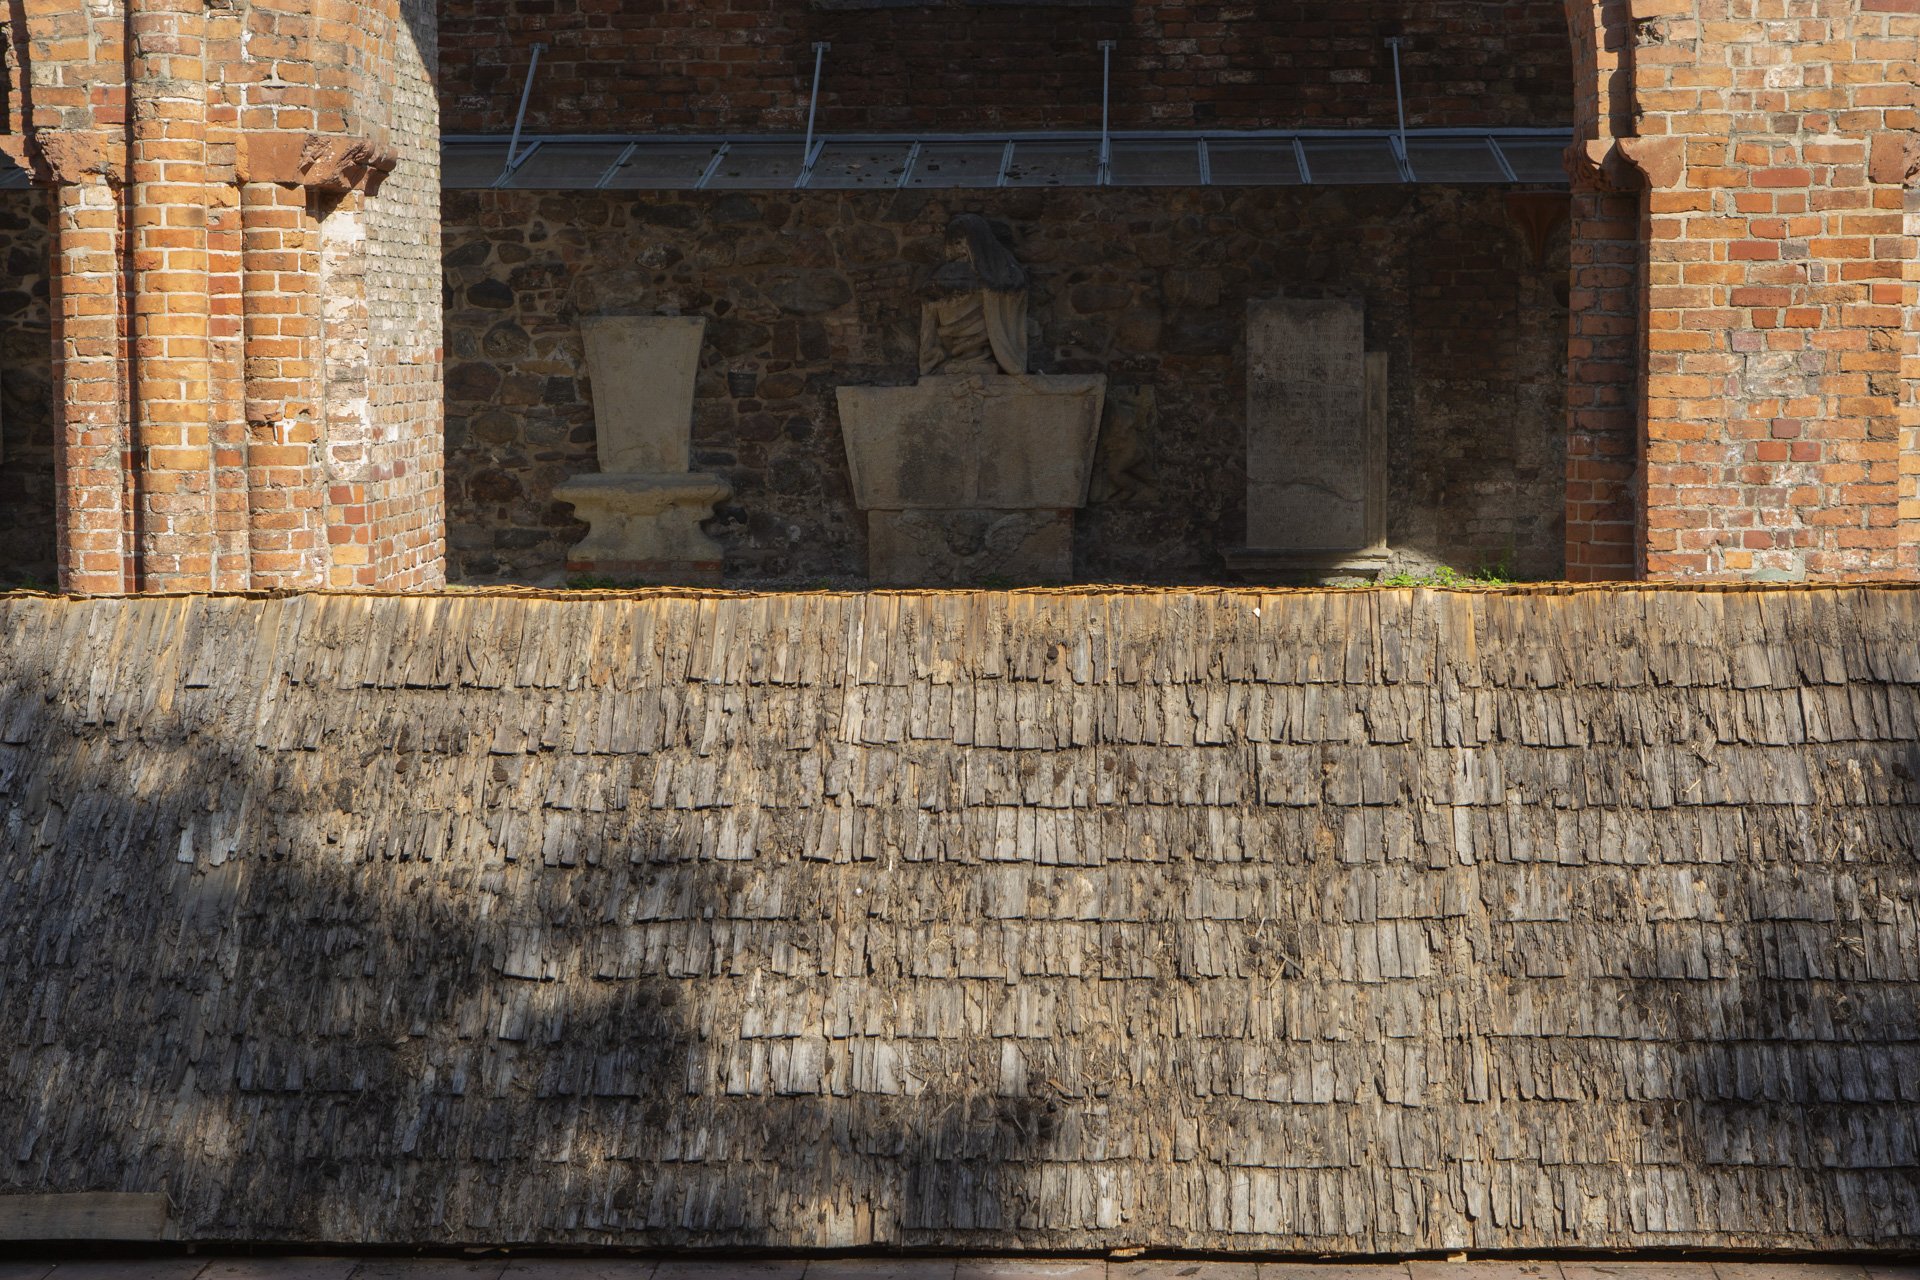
{"x": 918, "y": 1268}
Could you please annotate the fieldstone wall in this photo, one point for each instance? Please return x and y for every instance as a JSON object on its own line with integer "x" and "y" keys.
{"x": 805, "y": 292}
{"x": 26, "y": 393}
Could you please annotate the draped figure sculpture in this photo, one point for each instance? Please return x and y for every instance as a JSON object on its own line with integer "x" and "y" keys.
{"x": 976, "y": 319}
{"x": 975, "y": 471}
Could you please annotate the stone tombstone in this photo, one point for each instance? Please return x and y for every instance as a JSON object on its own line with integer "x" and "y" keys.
{"x": 643, "y": 370}
{"x": 645, "y": 505}
{"x": 1316, "y": 442}
{"x": 972, "y": 474}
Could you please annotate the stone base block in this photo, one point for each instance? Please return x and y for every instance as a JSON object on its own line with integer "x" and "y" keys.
{"x": 973, "y": 441}
{"x": 969, "y": 548}
{"x": 647, "y": 528}
{"x": 1306, "y": 568}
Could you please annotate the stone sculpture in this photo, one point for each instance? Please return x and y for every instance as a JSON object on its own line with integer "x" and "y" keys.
{"x": 976, "y": 321}
{"x": 972, "y": 474}
{"x": 645, "y": 504}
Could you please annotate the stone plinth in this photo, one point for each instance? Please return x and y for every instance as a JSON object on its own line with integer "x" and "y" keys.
{"x": 646, "y": 528}
{"x": 972, "y": 478}
{"x": 1316, "y": 443}
{"x": 644, "y": 506}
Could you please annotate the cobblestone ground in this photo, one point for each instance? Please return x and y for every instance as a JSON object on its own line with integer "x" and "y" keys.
{"x": 370, "y": 1268}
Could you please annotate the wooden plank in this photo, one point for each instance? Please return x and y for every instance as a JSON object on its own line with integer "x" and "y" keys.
{"x": 86, "y": 1215}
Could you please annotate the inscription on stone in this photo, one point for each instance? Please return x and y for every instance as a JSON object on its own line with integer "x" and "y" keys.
{"x": 1311, "y": 454}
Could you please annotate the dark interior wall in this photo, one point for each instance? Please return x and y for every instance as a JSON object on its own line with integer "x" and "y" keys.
{"x": 26, "y": 393}
{"x": 805, "y": 293}
{"x": 747, "y": 65}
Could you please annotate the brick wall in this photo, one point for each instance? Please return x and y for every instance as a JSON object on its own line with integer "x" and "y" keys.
{"x": 1769, "y": 158}
{"x": 804, "y": 293}
{"x": 747, "y": 64}
{"x": 204, "y": 160}
{"x": 399, "y": 469}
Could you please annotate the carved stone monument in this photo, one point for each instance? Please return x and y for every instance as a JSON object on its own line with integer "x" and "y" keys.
{"x": 1316, "y": 444}
{"x": 645, "y": 504}
{"x": 973, "y": 473}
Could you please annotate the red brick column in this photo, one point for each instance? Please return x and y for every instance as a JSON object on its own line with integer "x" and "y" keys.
{"x": 211, "y": 409}
{"x": 1604, "y": 355}
{"x": 91, "y": 447}
{"x": 172, "y": 370}
{"x": 1605, "y": 346}
{"x": 285, "y": 469}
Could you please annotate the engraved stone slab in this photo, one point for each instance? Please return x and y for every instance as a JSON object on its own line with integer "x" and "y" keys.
{"x": 1010, "y": 443}
{"x": 1312, "y": 462}
{"x": 643, "y": 370}
{"x": 972, "y": 478}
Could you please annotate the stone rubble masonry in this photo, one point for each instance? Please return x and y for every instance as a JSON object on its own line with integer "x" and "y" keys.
{"x": 806, "y": 292}
{"x": 204, "y": 158}
{"x": 1769, "y": 152}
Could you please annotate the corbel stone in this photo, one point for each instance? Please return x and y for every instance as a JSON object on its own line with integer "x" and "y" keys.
{"x": 69, "y": 157}
{"x": 331, "y": 163}
{"x": 1894, "y": 158}
{"x": 1662, "y": 161}
{"x": 1537, "y": 215}
{"x": 1601, "y": 166}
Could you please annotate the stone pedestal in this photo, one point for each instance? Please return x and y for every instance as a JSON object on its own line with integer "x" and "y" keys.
{"x": 1316, "y": 444}
{"x": 972, "y": 479}
{"x": 644, "y": 506}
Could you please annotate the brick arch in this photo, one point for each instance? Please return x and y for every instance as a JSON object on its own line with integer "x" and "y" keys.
{"x": 1604, "y": 510}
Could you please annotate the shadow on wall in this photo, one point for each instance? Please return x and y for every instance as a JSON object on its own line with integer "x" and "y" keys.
{"x": 633, "y": 924}
{"x": 26, "y": 392}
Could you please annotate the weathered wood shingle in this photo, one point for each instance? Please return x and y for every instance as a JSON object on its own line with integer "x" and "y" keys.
{"x": 1372, "y": 921}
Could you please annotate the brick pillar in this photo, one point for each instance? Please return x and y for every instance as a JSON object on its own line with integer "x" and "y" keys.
{"x": 286, "y": 473}
{"x": 356, "y": 498}
{"x": 172, "y": 375}
{"x": 198, "y": 375}
{"x": 91, "y": 445}
{"x": 1605, "y": 339}
{"x": 1604, "y": 351}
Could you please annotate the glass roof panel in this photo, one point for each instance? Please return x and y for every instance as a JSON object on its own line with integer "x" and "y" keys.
{"x": 759, "y": 166}
{"x": 1141, "y": 163}
{"x": 655, "y": 166}
{"x": 1253, "y": 162}
{"x": 665, "y": 162}
{"x": 846, "y": 165}
{"x": 472, "y": 164}
{"x": 1453, "y": 160}
{"x": 1055, "y": 164}
{"x": 1536, "y": 159}
{"x": 959, "y": 164}
{"x": 1339, "y": 161}
{"x": 566, "y": 166}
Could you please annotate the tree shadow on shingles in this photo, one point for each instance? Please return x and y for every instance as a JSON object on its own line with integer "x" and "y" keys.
{"x": 1794, "y": 1072}
{"x": 301, "y": 1044}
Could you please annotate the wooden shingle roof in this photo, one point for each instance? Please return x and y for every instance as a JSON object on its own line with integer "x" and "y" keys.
{"x": 1366, "y": 922}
